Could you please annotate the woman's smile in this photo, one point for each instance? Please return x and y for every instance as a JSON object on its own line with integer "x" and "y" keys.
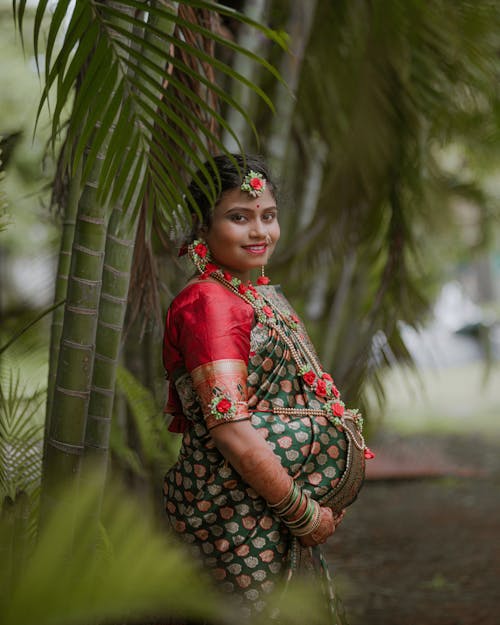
{"x": 256, "y": 249}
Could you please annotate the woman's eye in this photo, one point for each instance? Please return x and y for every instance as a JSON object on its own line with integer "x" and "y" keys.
{"x": 269, "y": 216}
{"x": 238, "y": 218}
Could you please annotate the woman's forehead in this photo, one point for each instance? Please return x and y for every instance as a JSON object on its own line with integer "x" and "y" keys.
{"x": 236, "y": 198}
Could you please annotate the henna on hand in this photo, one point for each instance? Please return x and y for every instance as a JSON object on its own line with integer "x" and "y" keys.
{"x": 325, "y": 530}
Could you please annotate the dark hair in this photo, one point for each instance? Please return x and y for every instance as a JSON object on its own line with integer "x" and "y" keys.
{"x": 224, "y": 173}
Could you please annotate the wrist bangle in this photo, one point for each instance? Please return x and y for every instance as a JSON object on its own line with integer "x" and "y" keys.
{"x": 285, "y": 498}
{"x": 312, "y": 524}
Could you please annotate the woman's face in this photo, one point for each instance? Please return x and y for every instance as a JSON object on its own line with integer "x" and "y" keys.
{"x": 244, "y": 231}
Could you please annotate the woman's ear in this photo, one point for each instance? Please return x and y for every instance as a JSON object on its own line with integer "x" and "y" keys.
{"x": 198, "y": 229}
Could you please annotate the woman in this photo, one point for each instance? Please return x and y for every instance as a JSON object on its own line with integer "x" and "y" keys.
{"x": 270, "y": 456}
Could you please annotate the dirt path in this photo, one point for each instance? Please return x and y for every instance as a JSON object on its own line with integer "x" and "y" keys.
{"x": 416, "y": 550}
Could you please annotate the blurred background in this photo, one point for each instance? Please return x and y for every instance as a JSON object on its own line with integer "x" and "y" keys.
{"x": 385, "y": 142}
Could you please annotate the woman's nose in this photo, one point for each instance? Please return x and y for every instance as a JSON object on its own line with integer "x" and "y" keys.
{"x": 258, "y": 229}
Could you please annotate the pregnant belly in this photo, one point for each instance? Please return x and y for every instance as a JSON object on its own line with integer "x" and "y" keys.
{"x": 311, "y": 449}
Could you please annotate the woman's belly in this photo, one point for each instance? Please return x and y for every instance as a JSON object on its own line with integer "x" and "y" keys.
{"x": 312, "y": 449}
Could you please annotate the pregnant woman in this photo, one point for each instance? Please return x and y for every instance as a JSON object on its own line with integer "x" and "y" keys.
{"x": 270, "y": 455}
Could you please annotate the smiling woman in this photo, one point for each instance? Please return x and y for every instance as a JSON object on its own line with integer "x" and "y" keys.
{"x": 270, "y": 456}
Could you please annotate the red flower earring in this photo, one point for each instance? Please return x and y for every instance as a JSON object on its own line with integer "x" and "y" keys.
{"x": 263, "y": 279}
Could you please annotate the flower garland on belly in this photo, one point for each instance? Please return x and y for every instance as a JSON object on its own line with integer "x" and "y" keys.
{"x": 309, "y": 368}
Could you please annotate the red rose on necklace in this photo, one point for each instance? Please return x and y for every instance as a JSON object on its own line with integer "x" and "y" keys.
{"x": 309, "y": 377}
{"x": 335, "y": 391}
{"x": 242, "y": 288}
{"x": 223, "y": 406}
{"x": 369, "y": 453}
{"x": 327, "y": 376}
{"x": 227, "y": 276}
{"x": 209, "y": 270}
{"x": 201, "y": 250}
{"x": 268, "y": 311}
{"x": 338, "y": 410}
{"x": 263, "y": 280}
{"x": 320, "y": 388}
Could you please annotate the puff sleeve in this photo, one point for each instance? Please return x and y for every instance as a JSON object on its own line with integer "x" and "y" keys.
{"x": 207, "y": 334}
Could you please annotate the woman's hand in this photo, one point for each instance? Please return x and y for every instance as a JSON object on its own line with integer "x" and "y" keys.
{"x": 327, "y": 527}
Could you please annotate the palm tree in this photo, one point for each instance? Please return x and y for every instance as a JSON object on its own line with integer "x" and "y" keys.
{"x": 136, "y": 72}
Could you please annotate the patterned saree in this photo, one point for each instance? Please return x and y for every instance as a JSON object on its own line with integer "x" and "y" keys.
{"x": 215, "y": 349}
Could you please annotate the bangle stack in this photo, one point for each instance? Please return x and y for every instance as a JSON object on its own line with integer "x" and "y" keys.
{"x": 299, "y": 518}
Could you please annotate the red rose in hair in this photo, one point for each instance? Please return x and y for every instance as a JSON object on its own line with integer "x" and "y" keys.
{"x": 320, "y": 388}
{"x": 327, "y": 376}
{"x": 256, "y": 183}
{"x": 338, "y": 410}
{"x": 263, "y": 280}
{"x": 268, "y": 311}
{"x": 224, "y": 405}
{"x": 201, "y": 250}
{"x": 309, "y": 377}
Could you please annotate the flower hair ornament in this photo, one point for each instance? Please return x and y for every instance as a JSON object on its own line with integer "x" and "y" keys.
{"x": 254, "y": 183}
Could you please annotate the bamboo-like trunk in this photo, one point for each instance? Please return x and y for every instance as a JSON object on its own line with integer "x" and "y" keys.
{"x": 248, "y": 39}
{"x": 64, "y": 446}
{"x": 112, "y": 308}
{"x": 337, "y": 308}
{"x": 299, "y": 27}
{"x": 64, "y": 260}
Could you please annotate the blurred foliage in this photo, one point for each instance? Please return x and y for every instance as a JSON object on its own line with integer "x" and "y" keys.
{"x": 20, "y": 439}
{"x": 150, "y": 450}
{"x": 92, "y": 579}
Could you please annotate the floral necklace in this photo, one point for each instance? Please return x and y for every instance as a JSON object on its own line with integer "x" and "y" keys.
{"x": 310, "y": 370}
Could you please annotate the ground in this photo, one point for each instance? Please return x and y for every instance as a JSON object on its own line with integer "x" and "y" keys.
{"x": 421, "y": 544}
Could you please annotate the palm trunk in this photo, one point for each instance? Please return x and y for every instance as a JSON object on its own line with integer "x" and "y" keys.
{"x": 112, "y": 308}
{"x": 248, "y": 39}
{"x": 299, "y": 27}
{"x": 338, "y": 307}
{"x": 64, "y": 446}
{"x": 63, "y": 266}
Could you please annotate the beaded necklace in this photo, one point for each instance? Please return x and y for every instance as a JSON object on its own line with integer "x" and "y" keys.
{"x": 308, "y": 366}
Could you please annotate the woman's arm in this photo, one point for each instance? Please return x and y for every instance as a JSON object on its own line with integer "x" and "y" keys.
{"x": 247, "y": 451}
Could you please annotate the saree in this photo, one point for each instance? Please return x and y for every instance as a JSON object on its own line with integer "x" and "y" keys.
{"x": 211, "y": 333}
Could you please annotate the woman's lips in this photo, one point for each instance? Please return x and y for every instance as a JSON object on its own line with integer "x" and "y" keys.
{"x": 256, "y": 249}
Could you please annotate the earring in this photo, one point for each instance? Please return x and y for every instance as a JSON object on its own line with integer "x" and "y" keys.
{"x": 263, "y": 279}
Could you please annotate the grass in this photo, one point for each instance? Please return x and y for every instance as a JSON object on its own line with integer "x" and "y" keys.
{"x": 451, "y": 400}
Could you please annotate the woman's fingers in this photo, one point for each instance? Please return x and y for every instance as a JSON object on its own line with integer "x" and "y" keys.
{"x": 327, "y": 527}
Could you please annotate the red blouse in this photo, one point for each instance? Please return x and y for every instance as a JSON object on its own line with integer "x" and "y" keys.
{"x": 205, "y": 323}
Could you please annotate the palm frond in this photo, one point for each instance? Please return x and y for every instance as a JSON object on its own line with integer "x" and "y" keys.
{"x": 21, "y": 436}
{"x": 130, "y": 572}
{"x": 120, "y": 60}
{"x": 155, "y": 442}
